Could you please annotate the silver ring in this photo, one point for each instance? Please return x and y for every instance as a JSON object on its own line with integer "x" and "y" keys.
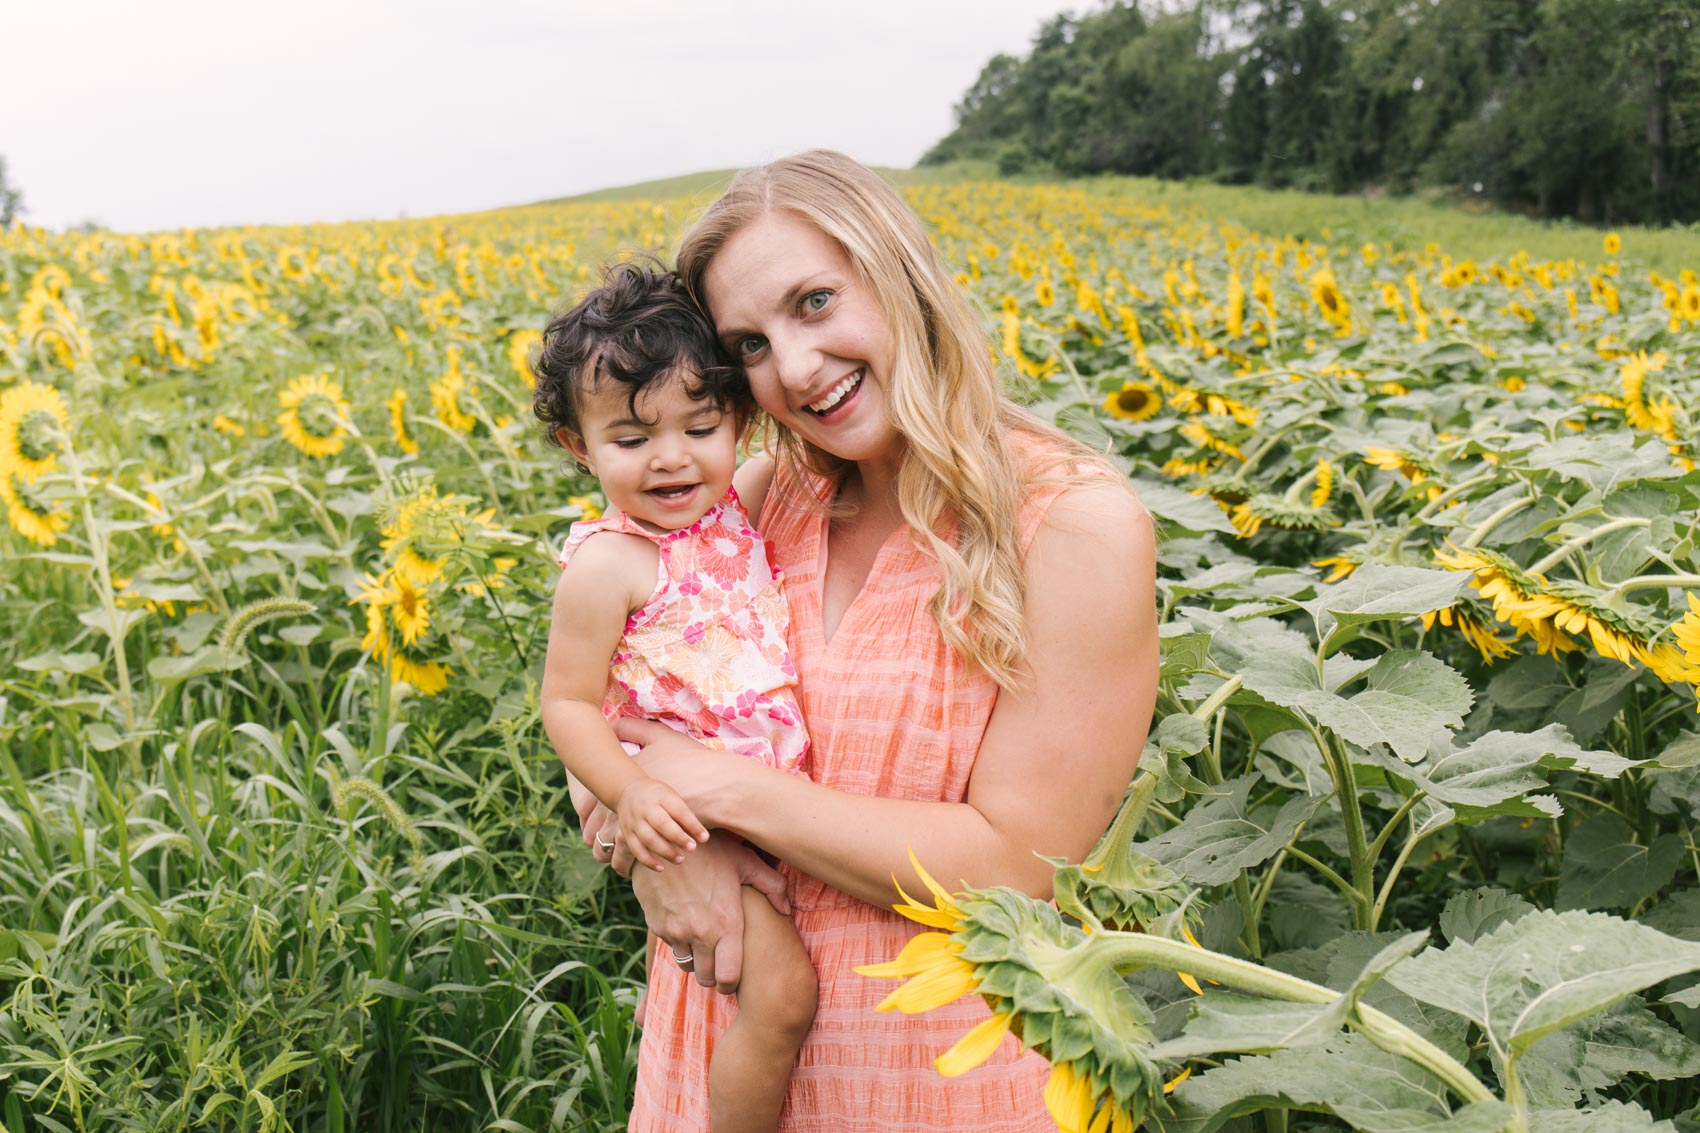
{"x": 687, "y": 961}
{"x": 601, "y": 845}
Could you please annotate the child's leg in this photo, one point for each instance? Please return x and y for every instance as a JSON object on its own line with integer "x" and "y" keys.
{"x": 776, "y": 1006}
{"x": 642, "y": 1008}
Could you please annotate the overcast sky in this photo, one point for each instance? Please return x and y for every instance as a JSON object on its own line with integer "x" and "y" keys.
{"x": 144, "y": 114}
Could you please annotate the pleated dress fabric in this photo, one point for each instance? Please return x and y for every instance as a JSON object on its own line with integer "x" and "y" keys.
{"x": 890, "y": 711}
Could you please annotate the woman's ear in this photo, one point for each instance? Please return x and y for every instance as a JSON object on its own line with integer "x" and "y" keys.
{"x": 574, "y": 444}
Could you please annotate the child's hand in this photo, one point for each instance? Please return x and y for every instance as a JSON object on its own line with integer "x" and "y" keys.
{"x": 656, "y": 824}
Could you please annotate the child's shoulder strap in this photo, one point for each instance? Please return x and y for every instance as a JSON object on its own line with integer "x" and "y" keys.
{"x": 585, "y": 528}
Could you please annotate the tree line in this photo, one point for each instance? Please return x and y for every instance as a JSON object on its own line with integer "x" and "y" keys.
{"x": 1581, "y": 108}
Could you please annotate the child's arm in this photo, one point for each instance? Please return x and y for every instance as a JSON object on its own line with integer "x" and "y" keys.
{"x": 598, "y": 589}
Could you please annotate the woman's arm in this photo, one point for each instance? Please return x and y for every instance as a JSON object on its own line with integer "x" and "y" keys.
{"x": 1055, "y": 758}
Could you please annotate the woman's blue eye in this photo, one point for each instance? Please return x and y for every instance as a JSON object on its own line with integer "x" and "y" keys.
{"x": 817, "y": 300}
{"x": 749, "y": 346}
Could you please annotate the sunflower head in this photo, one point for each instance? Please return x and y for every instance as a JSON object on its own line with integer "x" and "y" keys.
{"x": 1253, "y": 512}
{"x": 1067, "y": 1001}
{"x": 1135, "y": 401}
{"x": 34, "y": 423}
{"x": 30, "y": 511}
{"x": 315, "y": 415}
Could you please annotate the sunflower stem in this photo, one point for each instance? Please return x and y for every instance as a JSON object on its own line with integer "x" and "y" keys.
{"x": 1653, "y": 581}
{"x": 100, "y": 552}
{"x": 1133, "y": 951}
{"x": 1583, "y": 540}
{"x": 1481, "y": 530}
{"x": 1218, "y": 698}
{"x": 1451, "y": 494}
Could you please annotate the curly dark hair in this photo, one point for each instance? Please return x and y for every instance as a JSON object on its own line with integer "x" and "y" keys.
{"x": 639, "y": 327}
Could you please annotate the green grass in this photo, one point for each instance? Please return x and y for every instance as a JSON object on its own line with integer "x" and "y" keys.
{"x": 712, "y": 181}
{"x": 1462, "y": 229}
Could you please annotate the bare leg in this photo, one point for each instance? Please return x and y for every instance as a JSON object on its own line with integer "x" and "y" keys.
{"x": 642, "y": 1008}
{"x": 776, "y": 1006}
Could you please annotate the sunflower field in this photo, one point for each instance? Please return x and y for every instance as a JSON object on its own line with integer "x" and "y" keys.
{"x": 1413, "y": 843}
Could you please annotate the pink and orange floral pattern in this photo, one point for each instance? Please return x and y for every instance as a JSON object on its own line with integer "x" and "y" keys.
{"x": 706, "y": 654}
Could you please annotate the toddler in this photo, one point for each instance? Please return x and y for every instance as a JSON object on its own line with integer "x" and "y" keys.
{"x": 668, "y": 608}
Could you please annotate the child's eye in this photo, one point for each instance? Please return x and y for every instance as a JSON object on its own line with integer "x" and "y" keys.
{"x": 704, "y": 431}
{"x": 628, "y": 442}
{"x": 816, "y": 301}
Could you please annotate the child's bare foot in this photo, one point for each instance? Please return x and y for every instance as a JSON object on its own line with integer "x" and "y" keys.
{"x": 642, "y": 1007}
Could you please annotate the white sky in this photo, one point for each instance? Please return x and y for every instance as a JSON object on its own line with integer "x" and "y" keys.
{"x": 144, "y": 114}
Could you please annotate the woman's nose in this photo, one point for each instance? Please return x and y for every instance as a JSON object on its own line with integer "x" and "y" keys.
{"x": 795, "y": 362}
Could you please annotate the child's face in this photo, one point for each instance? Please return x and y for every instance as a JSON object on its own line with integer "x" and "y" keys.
{"x": 665, "y": 465}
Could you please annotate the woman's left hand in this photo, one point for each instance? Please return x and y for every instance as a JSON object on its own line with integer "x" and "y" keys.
{"x": 698, "y": 773}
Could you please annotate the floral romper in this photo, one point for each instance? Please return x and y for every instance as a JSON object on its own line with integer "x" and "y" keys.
{"x": 706, "y": 654}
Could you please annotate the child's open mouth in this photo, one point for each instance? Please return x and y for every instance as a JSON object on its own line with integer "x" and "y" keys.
{"x": 672, "y": 492}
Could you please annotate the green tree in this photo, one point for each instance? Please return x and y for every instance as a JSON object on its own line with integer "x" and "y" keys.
{"x": 11, "y": 197}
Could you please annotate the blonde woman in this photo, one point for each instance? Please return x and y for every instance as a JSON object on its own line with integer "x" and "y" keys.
{"x": 973, "y": 623}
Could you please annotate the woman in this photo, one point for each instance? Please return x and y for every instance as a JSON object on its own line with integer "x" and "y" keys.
{"x": 974, "y": 629}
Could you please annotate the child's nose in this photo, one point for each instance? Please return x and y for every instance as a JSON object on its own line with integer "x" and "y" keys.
{"x": 669, "y": 453}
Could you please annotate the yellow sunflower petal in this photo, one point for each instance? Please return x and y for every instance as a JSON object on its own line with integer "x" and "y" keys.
{"x": 974, "y": 1047}
{"x": 1169, "y": 1086}
{"x": 946, "y": 982}
{"x": 923, "y": 952}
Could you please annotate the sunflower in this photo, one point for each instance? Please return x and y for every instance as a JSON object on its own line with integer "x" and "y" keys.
{"x": 1613, "y": 244}
{"x": 397, "y": 405}
{"x": 1633, "y": 376}
{"x": 1135, "y": 401}
{"x": 1330, "y": 300}
{"x": 1688, "y": 304}
{"x": 1324, "y": 484}
{"x": 31, "y": 515}
{"x": 1199, "y": 435}
{"x": 1603, "y": 293}
{"x": 1045, "y": 292}
{"x": 405, "y": 663}
{"x": 294, "y": 264}
{"x": 315, "y": 415}
{"x": 1339, "y": 567}
{"x": 408, "y": 603}
{"x": 520, "y": 347}
{"x": 228, "y": 427}
{"x": 33, "y": 425}
{"x": 446, "y": 394}
{"x": 1046, "y": 982}
{"x": 1687, "y": 633}
{"x": 1473, "y": 630}
{"x": 1249, "y": 515}
{"x": 587, "y": 507}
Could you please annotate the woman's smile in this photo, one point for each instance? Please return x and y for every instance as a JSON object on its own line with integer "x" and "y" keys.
{"x": 789, "y": 305}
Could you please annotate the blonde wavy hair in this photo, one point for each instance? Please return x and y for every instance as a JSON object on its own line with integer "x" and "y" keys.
{"x": 960, "y": 486}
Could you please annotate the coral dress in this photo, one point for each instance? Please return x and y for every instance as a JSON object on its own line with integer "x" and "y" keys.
{"x": 892, "y": 712}
{"x": 706, "y": 654}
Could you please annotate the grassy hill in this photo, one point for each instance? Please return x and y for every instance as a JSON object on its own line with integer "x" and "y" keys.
{"x": 1462, "y": 228}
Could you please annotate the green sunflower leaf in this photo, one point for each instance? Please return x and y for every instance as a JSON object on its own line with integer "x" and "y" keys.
{"x": 1348, "y": 1077}
{"x": 1222, "y": 835}
{"x": 1541, "y": 972}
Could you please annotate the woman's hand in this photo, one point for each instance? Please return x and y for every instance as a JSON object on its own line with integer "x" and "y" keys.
{"x": 598, "y": 826}
{"x": 698, "y": 905}
{"x": 698, "y": 773}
